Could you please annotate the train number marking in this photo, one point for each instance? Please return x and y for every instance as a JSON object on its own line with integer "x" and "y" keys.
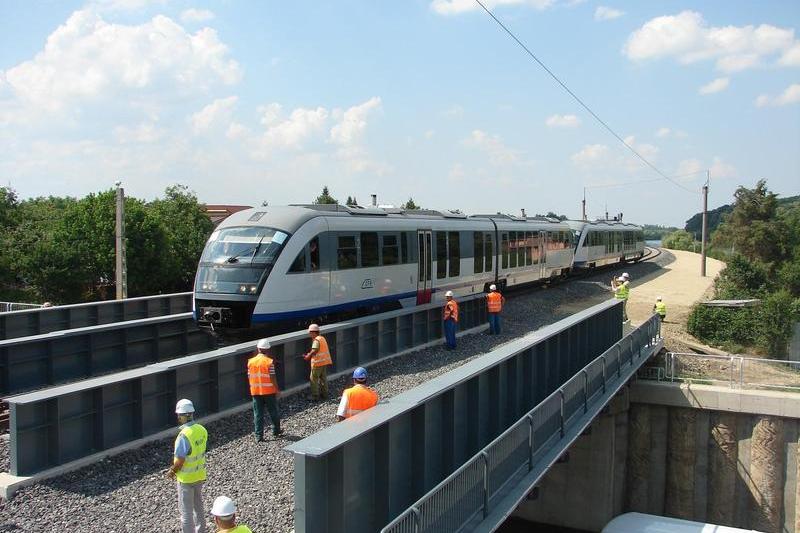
{"x": 367, "y": 284}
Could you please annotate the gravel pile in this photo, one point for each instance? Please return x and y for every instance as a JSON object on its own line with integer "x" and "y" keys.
{"x": 129, "y": 492}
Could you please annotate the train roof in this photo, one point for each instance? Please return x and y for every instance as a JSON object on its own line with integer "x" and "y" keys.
{"x": 602, "y": 224}
{"x": 290, "y": 218}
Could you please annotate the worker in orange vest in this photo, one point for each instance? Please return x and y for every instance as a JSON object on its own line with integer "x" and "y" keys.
{"x": 494, "y": 304}
{"x": 357, "y": 398}
{"x": 320, "y": 357}
{"x": 450, "y": 317}
{"x": 264, "y": 390}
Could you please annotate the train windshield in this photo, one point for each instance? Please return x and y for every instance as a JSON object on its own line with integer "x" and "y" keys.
{"x": 235, "y": 260}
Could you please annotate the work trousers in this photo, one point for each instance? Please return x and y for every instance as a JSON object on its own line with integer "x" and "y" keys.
{"x": 625, "y": 310}
{"x": 270, "y": 401}
{"x": 190, "y": 504}
{"x": 662, "y": 317}
{"x": 319, "y": 382}
{"x": 450, "y": 333}
{"x": 494, "y": 323}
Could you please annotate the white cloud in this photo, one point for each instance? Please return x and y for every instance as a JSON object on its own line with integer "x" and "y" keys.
{"x": 353, "y": 122}
{"x": 590, "y": 154}
{"x": 493, "y": 146}
{"x": 715, "y": 86}
{"x": 791, "y": 57}
{"x": 87, "y": 59}
{"x": 143, "y": 133}
{"x": 790, "y": 95}
{"x": 665, "y": 132}
{"x": 648, "y": 151}
{"x": 218, "y": 111}
{"x": 429, "y": 134}
{"x": 454, "y": 111}
{"x": 270, "y": 113}
{"x": 607, "y": 13}
{"x": 693, "y": 170}
{"x": 562, "y": 121}
{"x": 301, "y": 125}
{"x": 456, "y": 7}
{"x": 196, "y": 15}
{"x": 688, "y": 38}
{"x": 721, "y": 169}
{"x": 689, "y": 169}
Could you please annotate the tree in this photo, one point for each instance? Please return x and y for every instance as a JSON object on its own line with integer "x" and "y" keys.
{"x": 410, "y": 205}
{"x": 679, "y": 240}
{"x": 325, "y": 197}
{"x": 550, "y": 214}
{"x": 351, "y": 201}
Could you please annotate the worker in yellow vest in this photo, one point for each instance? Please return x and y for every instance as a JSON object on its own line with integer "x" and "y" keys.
{"x": 494, "y": 304}
{"x": 621, "y": 288}
{"x": 660, "y": 308}
{"x": 320, "y": 358}
{"x": 450, "y": 318}
{"x": 189, "y": 468}
{"x": 264, "y": 390}
{"x": 357, "y": 398}
{"x": 224, "y": 513}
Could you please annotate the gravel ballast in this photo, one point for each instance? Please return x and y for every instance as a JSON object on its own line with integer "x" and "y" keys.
{"x": 129, "y": 492}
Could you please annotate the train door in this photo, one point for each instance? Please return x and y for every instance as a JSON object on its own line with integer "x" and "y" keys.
{"x": 543, "y": 254}
{"x": 425, "y": 265}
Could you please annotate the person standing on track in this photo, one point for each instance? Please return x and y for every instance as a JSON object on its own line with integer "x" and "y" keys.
{"x": 320, "y": 357}
{"x": 357, "y": 398}
{"x": 494, "y": 304}
{"x": 189, "y": 468}
{"x": 621, "y": 288}
{"x": 450, "y": 317}
{"x": 660, "y": 308}
{"x": 264, "y": 390}
{"x": 224, "y": 513}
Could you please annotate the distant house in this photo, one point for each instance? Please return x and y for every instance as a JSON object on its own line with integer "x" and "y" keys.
{"x": 218, "y": 212}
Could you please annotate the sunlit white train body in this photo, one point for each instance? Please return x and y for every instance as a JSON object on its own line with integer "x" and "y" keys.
{"x": 282, "y": 266}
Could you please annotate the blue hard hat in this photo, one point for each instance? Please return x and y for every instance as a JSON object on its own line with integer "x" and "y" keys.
{"x": 360, "y": 373}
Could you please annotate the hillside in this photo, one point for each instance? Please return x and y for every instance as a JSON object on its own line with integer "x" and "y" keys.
{"x": 695, "y": 224}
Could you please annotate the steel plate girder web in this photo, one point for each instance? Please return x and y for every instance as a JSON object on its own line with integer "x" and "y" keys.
{"x": 62, "y": 317}
{"x": 359, "y": 474}
{"x": 27, "y": 363}
{"x": 60, "y": 424}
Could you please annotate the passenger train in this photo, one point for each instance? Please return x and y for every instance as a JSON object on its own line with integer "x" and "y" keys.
{"x": 278, "y": 266}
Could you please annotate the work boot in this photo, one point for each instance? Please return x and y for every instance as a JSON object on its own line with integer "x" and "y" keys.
{"x": 277, "y": 433}
{"x": 259, "y": 438}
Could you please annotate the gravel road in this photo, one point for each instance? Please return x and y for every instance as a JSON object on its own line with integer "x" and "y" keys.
{"x": 129, "y": 492}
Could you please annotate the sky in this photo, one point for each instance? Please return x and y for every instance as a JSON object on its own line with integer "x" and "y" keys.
{"x": 251, "y": 102}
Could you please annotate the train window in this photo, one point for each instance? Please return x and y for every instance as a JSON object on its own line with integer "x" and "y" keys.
{"x": 441, "y": 254}
{"x": 369, "y": 249}
{"x": 504, "y": 250}
{"x": 528, "y": 248}
{"x": 521, "y": 248}
{"x": 488, "y": 252}
{"x": 421, "y": 262}
{"x": 313, "y": 252}
{"x": 430, "y": 258}
{"x": 512, "y": 249}
{"x": 346, "y": 252}
{"x": 390, "y": 250}
{"x": 299, "y": 264}
{"x": 477, "y": 245}
{"x": 405, "y": 256}
{"x": 454, "y": 254}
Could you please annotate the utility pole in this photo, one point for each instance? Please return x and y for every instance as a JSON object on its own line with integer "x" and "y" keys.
{"x": 704, "y": 237}
{"x": 583, "y": 205}
{"x": 121, "y": 266}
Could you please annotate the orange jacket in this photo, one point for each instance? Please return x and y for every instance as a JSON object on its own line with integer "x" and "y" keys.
{"x": 494, "y": 302}
{"x": 359, "y": 398}
{"x": 451, "y": 310}
{"x": 323, "y": 355}
{"x": 261, "y": 375}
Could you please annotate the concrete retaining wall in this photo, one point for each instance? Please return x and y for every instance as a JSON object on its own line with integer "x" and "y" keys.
{"x": 704, "y": 453}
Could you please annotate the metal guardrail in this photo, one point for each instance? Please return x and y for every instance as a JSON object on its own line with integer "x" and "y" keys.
{"x": 737, "y": 371}
{"x": 463, "y": 501}
{"x": 30, "y": 322}
{"x": 357, "y": 475}
{"x": 6, "y": 307}
{"x": 61, "y": 424}
{"x": 28, "y": 363}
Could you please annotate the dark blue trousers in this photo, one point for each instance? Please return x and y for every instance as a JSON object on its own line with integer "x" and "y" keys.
{"x": 494, "y": 323}
{"x": 450, "y": 332}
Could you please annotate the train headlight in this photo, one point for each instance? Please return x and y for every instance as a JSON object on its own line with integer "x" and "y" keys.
{"x": 243, "y": 288}
{"x": 248, "y": 288}
{"x": 253, "y": 289}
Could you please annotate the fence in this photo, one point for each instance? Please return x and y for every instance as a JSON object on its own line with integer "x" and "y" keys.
{"x": 66, "y": 423}
{"x": 734, "y": 370}
{"x": 6, "y": 307}
{"x": 28, "y": 363}
{"x": 524, "y": 451}
{"x": 358, "y": 475}
{"x": 61, "y": 317}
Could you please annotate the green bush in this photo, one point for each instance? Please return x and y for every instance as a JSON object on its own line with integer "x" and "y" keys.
{"x": 680, "y": 240}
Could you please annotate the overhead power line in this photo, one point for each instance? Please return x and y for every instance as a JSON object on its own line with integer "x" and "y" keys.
{"x": 586, "y": 107}
{"x": 638, "y": 182}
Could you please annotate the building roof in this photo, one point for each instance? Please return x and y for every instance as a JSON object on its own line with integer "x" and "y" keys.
{"x": 219, "y": 212}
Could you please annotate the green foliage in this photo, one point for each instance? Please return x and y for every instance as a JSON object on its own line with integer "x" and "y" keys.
{"x": 680, "y": 240}
{"x": 325, "y": 197}
{"x": 410, "y": 205}
{"x": 724, "y": 326}
{"x": 742, "y": 279}
{"x": 695, "y": 224}
{"x": 654, "y": 232}
{"x": 550, "y": 214}
{"x": 351, "y": 201}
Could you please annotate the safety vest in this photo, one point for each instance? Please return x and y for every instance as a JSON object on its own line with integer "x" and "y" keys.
{"x": 661, "y": 308}
{"x": 359, "y": 398}
{"x": 260, "y": 377}
{"x": 622, "y": 291}
{"x": 241, "y": 528}
{"x": 323, "y": 355}
{"x": 451, "y": 310}
{"x": 194, "y": 466}
{"x": 494, "y": 302}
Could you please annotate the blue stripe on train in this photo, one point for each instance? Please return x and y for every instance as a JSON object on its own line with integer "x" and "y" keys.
{"x": 303, "y": 313}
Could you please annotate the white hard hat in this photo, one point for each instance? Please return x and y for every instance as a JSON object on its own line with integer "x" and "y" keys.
{"x": 263, "y": 344}
{"x": 492, "y": 287}
{"x": 626, "y": 275}
{"x": 223, "y": 507}
{"x": 659, "y": 298}
{"x": 621, "y": 278}
{"x": 313, "y": 327}
{"x": 184, "y": 407}
{"x": 449, "y": 293}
